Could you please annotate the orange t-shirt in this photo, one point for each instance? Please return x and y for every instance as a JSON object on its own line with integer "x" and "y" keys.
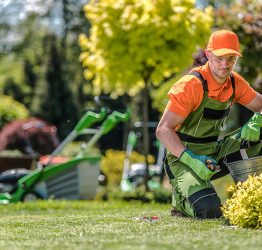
{"x": 187, "y": 93}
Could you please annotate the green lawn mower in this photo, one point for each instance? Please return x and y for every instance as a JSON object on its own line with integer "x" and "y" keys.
{"x": 21, "y": 185}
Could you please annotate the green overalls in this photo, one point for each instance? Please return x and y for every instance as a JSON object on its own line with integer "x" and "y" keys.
{"x": 199, "y": 133}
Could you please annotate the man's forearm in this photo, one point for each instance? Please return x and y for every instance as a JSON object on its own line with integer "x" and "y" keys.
{"x": 256, "y": 104}
{"x": 169, "y": 138}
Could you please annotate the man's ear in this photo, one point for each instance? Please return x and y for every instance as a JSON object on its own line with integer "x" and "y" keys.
{"x": 208, "y": 53}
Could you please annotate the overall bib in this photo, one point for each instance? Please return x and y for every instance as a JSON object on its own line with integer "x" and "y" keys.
{"x": 200, "y": 133}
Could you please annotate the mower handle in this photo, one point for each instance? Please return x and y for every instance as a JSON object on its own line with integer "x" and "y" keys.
{"x": 89, "y": 119}
{"x": 86, "y": 121}
{"x": 132, "y": 138}
{"x": 113, "y": 119}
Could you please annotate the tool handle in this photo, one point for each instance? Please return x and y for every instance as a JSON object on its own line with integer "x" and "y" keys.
{"x": 132, "y": 138}
{"x": 89, "y": 119}
{"x": 113, "y": 119}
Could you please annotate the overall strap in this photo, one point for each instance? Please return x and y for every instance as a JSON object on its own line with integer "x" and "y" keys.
{"x": 208, "y": 113}
{"x": 201, "y": 78}
{"x": 233, "y": 85}
{"x": 204, "y": 81}
{"x": 232, "y": 82}
{"x": 193, "y": 139}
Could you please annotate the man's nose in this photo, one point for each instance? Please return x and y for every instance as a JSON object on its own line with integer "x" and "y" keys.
{"x": 225, "y": 62}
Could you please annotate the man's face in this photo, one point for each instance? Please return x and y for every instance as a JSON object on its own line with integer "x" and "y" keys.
{"x": 221, "y": 66}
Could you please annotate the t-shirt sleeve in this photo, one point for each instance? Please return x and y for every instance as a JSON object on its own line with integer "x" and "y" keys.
{"x": 244, "y": 93}
{"x": 185, "y": 96}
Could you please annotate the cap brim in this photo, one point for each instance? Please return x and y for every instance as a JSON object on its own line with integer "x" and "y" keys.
{"x": 223, "y": 52}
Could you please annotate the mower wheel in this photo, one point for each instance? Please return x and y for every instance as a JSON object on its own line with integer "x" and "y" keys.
{"x": 31, "y": 196}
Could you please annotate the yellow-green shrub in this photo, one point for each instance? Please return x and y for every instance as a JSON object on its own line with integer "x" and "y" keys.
{"x": 244, "y": 208}
{"x": 11, "y": 110}
{"x": 113, "y": 162}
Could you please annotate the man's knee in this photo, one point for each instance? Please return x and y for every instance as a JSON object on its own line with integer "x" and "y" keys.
{"x": 206, "y": 204}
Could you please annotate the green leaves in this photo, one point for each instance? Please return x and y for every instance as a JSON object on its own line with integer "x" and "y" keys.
{"x": 133, "y": 43}
{"x": 11, "y": 110}
{"x": 244, "y": 209}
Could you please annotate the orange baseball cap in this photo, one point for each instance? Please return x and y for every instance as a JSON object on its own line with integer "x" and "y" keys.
{"x": 223, "y": 42}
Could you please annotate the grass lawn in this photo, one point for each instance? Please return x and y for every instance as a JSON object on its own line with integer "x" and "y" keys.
{"x": 114, "y": 225}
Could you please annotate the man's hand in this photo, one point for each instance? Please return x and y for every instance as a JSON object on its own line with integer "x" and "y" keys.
{"x": 204, "y": 166}
{"x": 251, "y": 130}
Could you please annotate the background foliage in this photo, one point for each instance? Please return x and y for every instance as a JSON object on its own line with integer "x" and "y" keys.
{"x": 39, "y": 54}
{"x": 133, "y": 42}
{"x": 11, "y": 110}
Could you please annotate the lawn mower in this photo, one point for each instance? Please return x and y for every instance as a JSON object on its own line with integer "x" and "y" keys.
{"x": 24, "y": 185}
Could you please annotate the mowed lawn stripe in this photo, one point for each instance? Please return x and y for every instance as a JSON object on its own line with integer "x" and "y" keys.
{"x": 114, "y": 225}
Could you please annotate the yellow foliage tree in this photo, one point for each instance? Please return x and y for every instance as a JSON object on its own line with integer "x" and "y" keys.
{"x": 133, "y": 45}
{"x": 136, "y": 43}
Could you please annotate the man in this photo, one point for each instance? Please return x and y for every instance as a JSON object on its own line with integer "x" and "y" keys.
{"x": 194, "y": 117}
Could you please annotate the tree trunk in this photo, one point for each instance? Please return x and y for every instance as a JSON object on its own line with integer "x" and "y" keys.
{"x": 146, "y": 140}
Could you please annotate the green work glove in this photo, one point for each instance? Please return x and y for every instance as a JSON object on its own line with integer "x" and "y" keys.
{"x": 251, "y": 130}
{"x": 204, "y": 166}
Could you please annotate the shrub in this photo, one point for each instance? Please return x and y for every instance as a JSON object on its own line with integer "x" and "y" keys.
{"x": 244, "y": 208}
{"x": 11, "y": 110}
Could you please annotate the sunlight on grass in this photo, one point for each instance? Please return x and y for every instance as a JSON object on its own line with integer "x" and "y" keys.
{"x": 113, "y": 225}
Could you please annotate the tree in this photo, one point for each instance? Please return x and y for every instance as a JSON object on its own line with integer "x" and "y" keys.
{"x": 74, "y": 23}
{"x": 133, "y": 44}
{"x": 22, "y": 65}
{"x": 14, "y": 12}
{"x": 26, "y": 68}
{"x": 53, "y": 100}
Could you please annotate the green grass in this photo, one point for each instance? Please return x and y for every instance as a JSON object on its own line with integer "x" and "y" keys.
{"x": 114, "y": 225}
